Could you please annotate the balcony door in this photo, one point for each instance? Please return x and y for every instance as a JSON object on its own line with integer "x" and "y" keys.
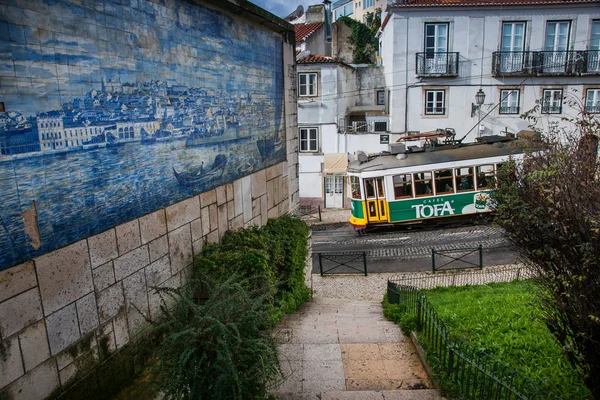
{"x": 593, "y": 60}
{"x": 555, "y": 57}
{"x": 512, "y": 47}
{"x": 436, "y": 48}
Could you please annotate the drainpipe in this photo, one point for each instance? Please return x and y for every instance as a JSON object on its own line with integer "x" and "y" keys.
{"x": 414, "y": 85}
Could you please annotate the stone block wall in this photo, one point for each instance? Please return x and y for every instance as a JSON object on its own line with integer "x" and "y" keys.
{"x": 66, "y": 311}
{"x": 63, "y": 312}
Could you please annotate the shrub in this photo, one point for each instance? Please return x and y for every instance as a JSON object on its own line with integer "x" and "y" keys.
{"x": 217, "y": 349}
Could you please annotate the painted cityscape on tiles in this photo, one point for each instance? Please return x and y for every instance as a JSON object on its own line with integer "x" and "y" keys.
{"x": 111, "y": 118}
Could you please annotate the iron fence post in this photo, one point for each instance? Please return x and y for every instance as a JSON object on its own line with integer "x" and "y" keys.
{"x": 450, "y": 360}
{"x": 320, "y": 264}
{"x": 518, "y": 273}
{"x": 433, "y": 259}
{"x": 419, "y": 314}
{"x": 480, "y": 256}
{"x": 365, "y": 261}
{"x": 319, "y": 209}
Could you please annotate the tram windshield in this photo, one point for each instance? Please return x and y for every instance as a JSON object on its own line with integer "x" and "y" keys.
{"x": 355, "y": 187}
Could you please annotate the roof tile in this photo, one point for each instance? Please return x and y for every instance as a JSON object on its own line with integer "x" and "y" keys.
{"x": 305, "y": 30}
{"x": 317, "y": 59}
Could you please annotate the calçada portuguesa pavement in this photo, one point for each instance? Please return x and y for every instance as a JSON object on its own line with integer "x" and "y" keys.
{"x": 342, "y": 349}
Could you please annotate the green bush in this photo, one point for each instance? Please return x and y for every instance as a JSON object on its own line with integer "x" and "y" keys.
{"x": 219, "y": 348}
{"x": 273, "y": 255}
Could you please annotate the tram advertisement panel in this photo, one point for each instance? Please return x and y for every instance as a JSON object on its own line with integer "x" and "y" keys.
{"x": 440, "y": 206}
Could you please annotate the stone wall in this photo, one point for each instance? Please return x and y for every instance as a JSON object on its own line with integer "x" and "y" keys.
{"x": 65, "y": 312}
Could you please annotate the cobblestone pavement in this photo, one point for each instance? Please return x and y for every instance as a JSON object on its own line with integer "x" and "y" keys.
{"x": 339, "y": 349}
{"x": 374, "y": 286}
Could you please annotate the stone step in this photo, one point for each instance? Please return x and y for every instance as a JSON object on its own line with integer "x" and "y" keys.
{"x": 425, "y": 394}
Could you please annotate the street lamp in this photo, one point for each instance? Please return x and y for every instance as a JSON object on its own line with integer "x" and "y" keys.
{"x": 479, "y": 99}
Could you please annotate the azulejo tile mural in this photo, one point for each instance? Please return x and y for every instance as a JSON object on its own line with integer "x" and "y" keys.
{"x": 116, "y": 109}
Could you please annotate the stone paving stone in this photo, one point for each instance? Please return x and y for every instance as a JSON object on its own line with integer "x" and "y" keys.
{"x": 372, "y": 384}
{"x": 322, "y": 352}
{"x": 323, "y": 370}
{"x": 361, "y": 351}
{"x": 364, "y": 369}
{"x": 290, "y": 351}
{"x": 353, "y": 396}
{"x": 324, "y": 386}
{"x": 424, "y": 394}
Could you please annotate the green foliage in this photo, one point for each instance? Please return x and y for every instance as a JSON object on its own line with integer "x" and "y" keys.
{"x": 364, "y": 37}
{"x": 505, "y": 321}
{"x": 273, "y": 255}
{"x": 548, "y": 204}
{"x": 395, "y": 313}
{"x": 219, "y": 348}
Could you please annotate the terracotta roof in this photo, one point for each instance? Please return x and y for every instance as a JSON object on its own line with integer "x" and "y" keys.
{"x": 472, "y": 3}
{"x": 317, "y": 59}
{"x": 305, "y": 30}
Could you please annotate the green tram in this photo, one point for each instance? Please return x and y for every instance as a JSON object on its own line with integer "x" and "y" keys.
{"x": 429, "y": 183}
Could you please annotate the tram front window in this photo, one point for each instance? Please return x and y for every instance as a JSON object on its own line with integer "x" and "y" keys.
{"x": 423, "y": 184}
{"x": 370, "y": 188}
{"x": 464, "y": 179}
{"x": 444, "y": 183}
{"x": 402, "y": 186}
{"x": 355, "y": 186}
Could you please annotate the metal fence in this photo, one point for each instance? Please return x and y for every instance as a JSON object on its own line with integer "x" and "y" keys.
{"x": 464, "y": 258}
{"x": 308, "y": 211}
{"x": 475, "y": 373}
{"x": 346, "y": 262}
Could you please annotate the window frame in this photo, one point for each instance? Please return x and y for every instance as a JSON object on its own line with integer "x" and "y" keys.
{"x": 547, "y": 109}
{"x": 434, "y": 110}
{"x": 354, "y": 184}
{"x": 506, "y": 98}
{"x": 596, "y": 102}
{"x": 377, "y": 97}
{"x": 404, "y": 184}
{"x": 430, "y": 179}
{"x": 308, "y": 85}
{"x": 457, "y": 175}
{"x": 308, "y": 139}
{"x": 371, "y": 2}
{"x": 438, "y": 178}
{"x": 488, "y": 175}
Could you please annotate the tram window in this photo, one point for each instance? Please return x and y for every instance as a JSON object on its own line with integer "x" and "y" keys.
{"x": 444, "y": 183}
{"x": 355, "y": 186}
{"x": 402, "y": 186}
{"x": 370, "y": 188}
{"x": 423, "y": 184}
{"x": 464, "y": 179}
{"x": 485, "y": 176}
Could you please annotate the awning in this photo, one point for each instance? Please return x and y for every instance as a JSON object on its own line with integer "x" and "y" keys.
{"x": 335, "y": 163}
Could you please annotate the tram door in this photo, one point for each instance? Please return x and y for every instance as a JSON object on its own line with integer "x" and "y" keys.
{"x": 376, "y": 203}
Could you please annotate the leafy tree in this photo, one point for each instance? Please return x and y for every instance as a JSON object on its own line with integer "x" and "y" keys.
{"x": 364, "y": 37}
{"x": 549, "y": 205}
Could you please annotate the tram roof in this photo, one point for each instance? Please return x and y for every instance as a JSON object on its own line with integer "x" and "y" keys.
{"x": 440, "y": 155}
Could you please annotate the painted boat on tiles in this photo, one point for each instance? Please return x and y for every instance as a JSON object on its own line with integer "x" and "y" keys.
{"x": 199, "y": 175}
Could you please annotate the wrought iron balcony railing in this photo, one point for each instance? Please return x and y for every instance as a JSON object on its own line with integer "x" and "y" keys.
{"x": 592, "y": 109}
{"x": 518, "y": 63}
{"x": 435, "y": 110}
{"x": 437, "y": 64}
{"x": 546, "y": 109}
{"x": 532, "y": 63}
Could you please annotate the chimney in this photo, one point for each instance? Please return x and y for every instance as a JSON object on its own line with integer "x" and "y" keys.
{"x": 327, "y": 4}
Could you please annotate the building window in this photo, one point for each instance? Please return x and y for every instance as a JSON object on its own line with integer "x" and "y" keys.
{"x": 552, "y": 101}
{"x": 423, "y": 184}
{"x": 509, "y": 101}
{"x": 307, "y": 84}
{"x": 444, "y": 183}
{"x": 380, "y": 97}
{"x": 380, "y": 126}
{"x": 435, "y": 102}
{"x": 309, "y": 139}
{"x": 592, "y": 101}
{"x": 368, "y": 4}
{"x": 464, "y": 179}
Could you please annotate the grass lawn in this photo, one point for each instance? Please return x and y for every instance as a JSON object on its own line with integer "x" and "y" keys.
{"x": 505, "y": 320}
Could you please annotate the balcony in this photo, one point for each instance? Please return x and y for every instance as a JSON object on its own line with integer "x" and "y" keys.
{"x": 363, "y": 126}
{"x": 546, "y": 63}
{"x": 548, "y": 109}
{"x": 514, "y": 63}
{"x": 592, "y": 109}
{"x": 437, "y": 64}
{"x": 509, "y": 109}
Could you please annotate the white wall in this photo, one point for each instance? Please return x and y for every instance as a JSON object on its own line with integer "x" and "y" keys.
{"x": 475, "y": 33}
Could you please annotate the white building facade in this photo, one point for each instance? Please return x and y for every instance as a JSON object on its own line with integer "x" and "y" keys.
{"x": 341, "y": 109}
{"x": 542, "y": 56}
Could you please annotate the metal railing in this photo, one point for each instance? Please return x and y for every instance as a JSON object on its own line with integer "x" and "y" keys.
{"x": 509, "y": 110}
{"x": 437, "y": 64}
{"x": 531, "y": 63}
{"x": 457, "y": 258}
{"x": 546, "y": 109}
{"x": 308, "y": 211}
{"x": 346, "y": 262}
{"x": 476, "y": 374}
